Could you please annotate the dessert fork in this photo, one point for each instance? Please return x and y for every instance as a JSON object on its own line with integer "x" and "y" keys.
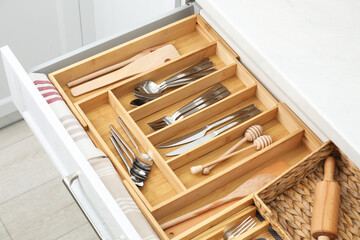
{"x": 245, "y": 225}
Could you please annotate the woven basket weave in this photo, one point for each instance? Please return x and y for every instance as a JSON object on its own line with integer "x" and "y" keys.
{"x": 287, "y": 203}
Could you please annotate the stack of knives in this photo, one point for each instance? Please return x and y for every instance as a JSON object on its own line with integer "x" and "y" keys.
{"x": 198, "y": 137}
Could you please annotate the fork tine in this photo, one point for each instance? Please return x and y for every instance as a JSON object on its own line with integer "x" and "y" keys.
{"x": 240, "y": 225}
{"x": 249, "y": 226}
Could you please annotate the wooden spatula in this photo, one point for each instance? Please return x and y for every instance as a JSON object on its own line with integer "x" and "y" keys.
{"x": 111, "y": 68}
{"x": 140, "y": 65}
{"x": 276, "y": 169}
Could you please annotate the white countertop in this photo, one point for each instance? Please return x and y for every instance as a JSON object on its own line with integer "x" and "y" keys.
{"x": 311, "y": 48}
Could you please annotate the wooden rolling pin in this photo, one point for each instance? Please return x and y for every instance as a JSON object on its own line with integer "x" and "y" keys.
{"x": 112, "y": 67}
{"x": 324, "y": 222}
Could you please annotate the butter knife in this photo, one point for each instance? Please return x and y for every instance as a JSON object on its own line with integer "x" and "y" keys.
{"x": 192, "y": 136}
{"x": 211, "y": 135}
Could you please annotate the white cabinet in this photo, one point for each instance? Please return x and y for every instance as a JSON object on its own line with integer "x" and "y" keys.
{"x": 36, "y": 31}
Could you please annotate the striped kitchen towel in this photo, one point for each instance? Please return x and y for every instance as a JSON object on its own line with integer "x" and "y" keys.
{"x": 97, "y": 159}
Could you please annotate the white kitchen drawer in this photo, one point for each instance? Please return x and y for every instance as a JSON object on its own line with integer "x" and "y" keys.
{"x": 103, "y": 210}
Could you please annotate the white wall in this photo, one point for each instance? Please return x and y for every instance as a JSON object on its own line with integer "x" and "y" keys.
{"x": 36, "y": 31}
{"x": 113, "y": 16}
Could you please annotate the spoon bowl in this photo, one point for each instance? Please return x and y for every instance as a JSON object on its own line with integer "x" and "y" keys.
{"x": 141, "y": 157}
{"x": 138, "y": 181}
{"x": 151, "y": 90}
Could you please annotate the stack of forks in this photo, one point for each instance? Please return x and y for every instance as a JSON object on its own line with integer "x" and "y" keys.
{"x": 216, "y": 93}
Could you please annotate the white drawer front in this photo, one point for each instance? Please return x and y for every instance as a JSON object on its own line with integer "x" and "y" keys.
{"x": 108, "y": 218}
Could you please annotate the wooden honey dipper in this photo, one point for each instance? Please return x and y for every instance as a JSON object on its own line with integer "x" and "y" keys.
{"x": 324, "y": 222}
{"x": 259, "y": 143}
{"x": 250, "y": 135}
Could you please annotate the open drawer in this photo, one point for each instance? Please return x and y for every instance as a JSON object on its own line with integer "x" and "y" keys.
{"x": 171, "y": 190}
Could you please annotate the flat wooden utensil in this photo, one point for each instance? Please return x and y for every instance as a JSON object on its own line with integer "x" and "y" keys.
{"x": 140, "y": 65}
{"x": 276, "y": 169}
{"x": 324, "y": 222}
{"x": 111, "y": 68}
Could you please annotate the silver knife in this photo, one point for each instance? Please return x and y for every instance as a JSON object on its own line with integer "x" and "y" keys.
{"x": 211, "y": 135}
{"x": 202, "y": 131}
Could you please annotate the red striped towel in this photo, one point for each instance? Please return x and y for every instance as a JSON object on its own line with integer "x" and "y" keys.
{"x": 98, "y": 160}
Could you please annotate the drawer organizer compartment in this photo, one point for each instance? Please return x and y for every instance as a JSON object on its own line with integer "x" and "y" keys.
{"x": 171, "y": 189}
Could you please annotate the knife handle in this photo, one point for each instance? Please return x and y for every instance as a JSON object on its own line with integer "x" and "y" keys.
{"x": 234, "y": 123}
{"x": 231, "y": 117}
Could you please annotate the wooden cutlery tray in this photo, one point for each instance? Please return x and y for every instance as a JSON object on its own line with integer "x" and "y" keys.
{"x": 171, "y": 189}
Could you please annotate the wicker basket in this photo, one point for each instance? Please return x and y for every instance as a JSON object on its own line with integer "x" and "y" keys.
{"x": 287, "y": 203}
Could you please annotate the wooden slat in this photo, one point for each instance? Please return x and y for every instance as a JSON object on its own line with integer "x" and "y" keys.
{"x": 217, "y": 232}
{"x": 310, "y": 140}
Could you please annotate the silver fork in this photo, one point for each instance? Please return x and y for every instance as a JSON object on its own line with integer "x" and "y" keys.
{"x": 168, "y": 121}
{"x": 245, "y": 225}
{"x": 217, "y": 90}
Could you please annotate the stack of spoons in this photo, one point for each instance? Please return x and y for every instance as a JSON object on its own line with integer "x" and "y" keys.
{"x": 141, "y": 162}
{"x": 149, "y": 90}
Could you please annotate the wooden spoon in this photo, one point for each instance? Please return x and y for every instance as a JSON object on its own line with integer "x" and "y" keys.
{"x": 111, "y": 68}
{"x": 140, "y": 65}
{"x": 276, "y": 168}
{"x": 248, "y": 187}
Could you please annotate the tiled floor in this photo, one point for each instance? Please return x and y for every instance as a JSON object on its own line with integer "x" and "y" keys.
{"x": 34, "y": 204}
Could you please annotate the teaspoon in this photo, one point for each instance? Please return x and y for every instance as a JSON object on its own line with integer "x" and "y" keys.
{"x": 138, "y": 172}
{"x": 143, "y": 157}
{"x": 137, "y": 163}
{"x": 138, "y": 182}
{"x": 152, "y": 88}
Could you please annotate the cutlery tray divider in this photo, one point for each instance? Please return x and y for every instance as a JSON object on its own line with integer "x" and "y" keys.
{"x": 102, "y": 109}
